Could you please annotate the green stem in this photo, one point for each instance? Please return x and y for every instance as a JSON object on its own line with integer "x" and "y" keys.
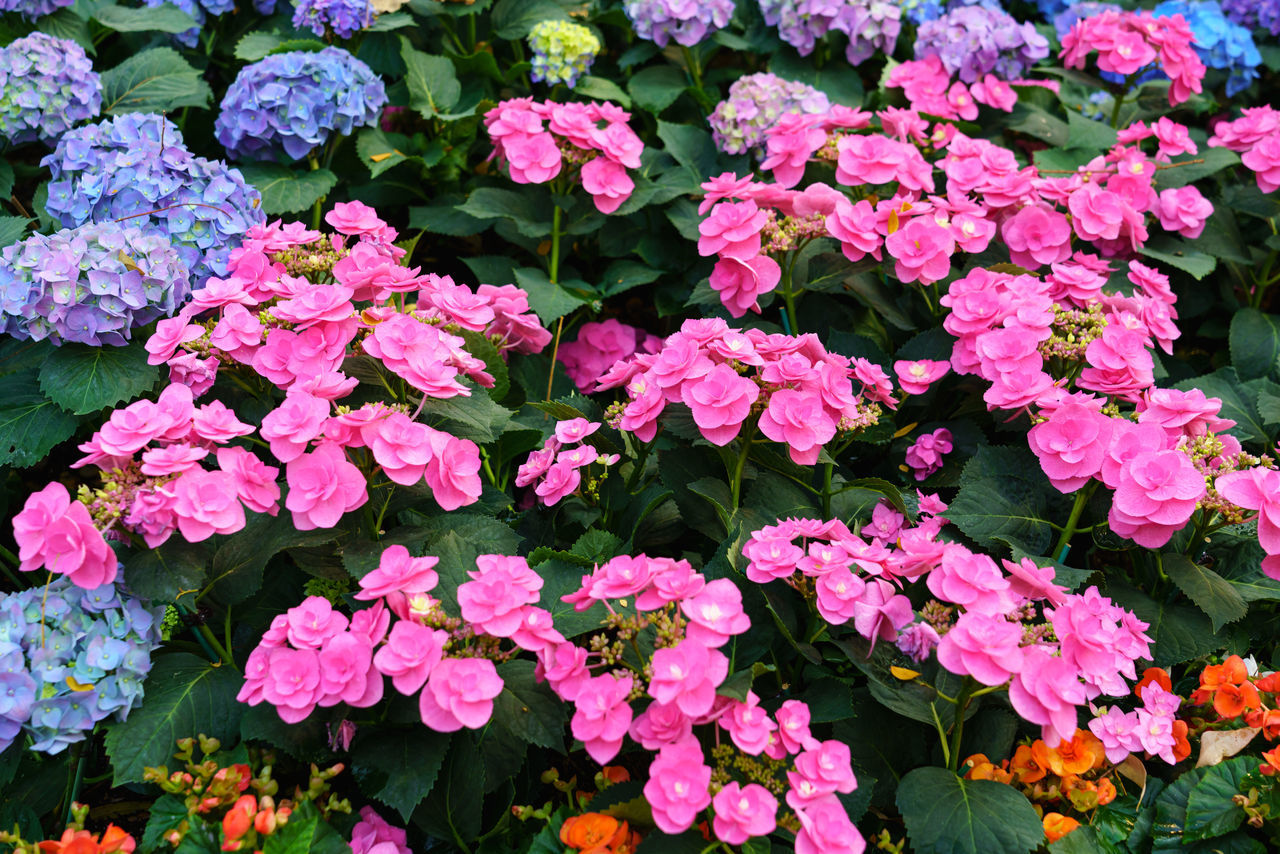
{"x": 74, "y": 781}
{"x": 736, "y": 481}
{"x": 694, "y": 65}
{"x": 1082, "y": 498}
{"x": 826, "y": 490}
{"x": 942, "y": 735}
{"x": 553, "y": 263}
{"x": 637, "y": 470}
{"x": 957, "y": 729}
{"x": 319, "y": 205}
{"x": 223, "y": 653}
{"x": 1115, "y": 111}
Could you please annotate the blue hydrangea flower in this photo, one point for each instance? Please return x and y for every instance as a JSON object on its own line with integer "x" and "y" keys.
{"x": 343, "y": 17}
{"x": 47, "y": 85}
{"x": 32, "y": 9}
{"x": 70, "y": 658}
{"x": 288, "y": 103}
{"x": 186, "y": 38}
{"x": 1220, "y": 42}
{"x": 687, "y": 22}
{"x": 755, "y": 104}
{"x": 137, "y": 166}
{"x": 973, "y": 41}
{"x": 562, "y": 51}
{"x": 871, "y": 25}
{"x": 92, "y": 284}
{"x": 919, "y": 11}
{"x": 1254, "y": 14}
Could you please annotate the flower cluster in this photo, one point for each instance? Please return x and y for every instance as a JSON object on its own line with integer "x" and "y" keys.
{"x": 1256, "y": 137}
{"x": 90, "y": 285}
{"x": 1220, "y": 42}
{"x": 562, "y": 51}
{"x": 47, "y": 85}
{"x": 924, "y": 457}
{"x": 374, "y": 835}
{"x": 919, "y": 11}
{"x": 557, "y": 467}
{"x": 755, "y": 104}
{"x": 599, "y": 834}
{"x": 973, "y": 41}
{"x": 69, "y": 658}
{"x": 288, "y": 103}
{"x": 788, "y": 387}
{"x": 599, "y": 346}
{"x": 343, "y": 18}
{"x": 1152, "y": 727}
{"x": 188, "y": 38}
{"x": 1128, "y": 42}
{"x": 75, "y": 839}
{"x": 1236, "y": 693}
{"x": 33, "y": 9}
{"x": 1254, "y": 14}
{"x": 136, "y": 168}
{"x": 537, "y": 138}
{"x": 929, "y": 88}
{"x": 870, "y": 25}
{"x": 684, "y": 22}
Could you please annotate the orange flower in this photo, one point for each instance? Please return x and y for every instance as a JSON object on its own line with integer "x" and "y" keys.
{"x": 83, "y": 842}
{"x": 1235, "y": 671}
{"x": 114, "y": 839}
{"x": 1024, "y": 766}
{"x": 1270, "y": 759}
{"x": 1232, "y": 700}
{"x": 1057, "y": 825}
{"x": 1269, "y": 684}
{"x": 615, "y": 773}
{"x": 593, "y": 833}
{"x": 980, "y": 767}
{"x": 1107, "y": 790}
{"x": 239, "y": 818}
{"x": 1181, "y": 747}
{"x": 1156, "y": 675}
{"x": 1082, "y": 753}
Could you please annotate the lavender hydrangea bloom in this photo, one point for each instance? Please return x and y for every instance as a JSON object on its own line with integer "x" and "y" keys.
{"x": 801, "y": 23}
{"x": 137, "y": 166}
{"x": 292, "y": 102}
{"x": 32, "y": 9}
{"x": 687, "y": 22}
{"x": 101, "y": 640}
{"x": 755, "y": 104}
{"x": 1220, "y": 42}
{"x": 1254, "y": 14}
{"x": 90, "y": 285}
{"x": 870, "y": 24}
{"x": 265, "y": 7}
{"x": 1064, "y": 20}
{"x": 919, "y": 11}
{"x": 973, "y": 41}
{"x": 46, "y": 86}
{"x": 344, "y": 17}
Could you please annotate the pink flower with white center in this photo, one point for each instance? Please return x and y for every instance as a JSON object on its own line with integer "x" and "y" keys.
{"x": 491, "y": 600}
{"x": 732, "y": 230}
{"x": 560, "y": 481}
{"x": 205, "y": 504}
{"x": 880, "y": 612}
{"x": 1258, "y": 489}
{"x": 1184, "y": 210}
{"x": 915, "y": 377}
{"x": 740, "y": 283}
{"x": 854, "y": 225}
{"x": 688, "y": 674}
{"x": 607, "y": 182}
{"x": 973, "y": 580}
{"x": 214, "y": 422}
{"x": 621, "y": 577}
{"x": 537, "y": 630}
{"x": 575, "y": 430}
{"x": 454, "y": 471}
{"x": 56, "y": 533}
{"x": 715, "y": 614}
{"x": 1116, "y": 730}
{"x": 347, "y": 674}
{"x": 255, "y": 481}
{"x": 677, "y": 789}
{"x": 1264, "y": 160}
{"x": 291, "y": 682}
{"x": 670, "y": 581}
{"x": 1047, "y": 691}
{"x": 317, "y": 304}
{"x": 660, "y": 725}
{"x": 743, "y": 812}
{"x": 1174, "y": 138}
{"x": 171, "y": 459}
{"x": 564, "y": 666}
{"x": 323, "y": 485}
{"x": 312, "y": 622}
{"x": 876, "y": 159}
{"x": 459, "y": 693}
{"x": 926, "y": 452}
{"x": 793, "y": 728}
{"x": 398, "y": 572}
{"x": 402, "y": 447}
{"x": 602, "y": 715}
{"x": 720, "y": 401}
{"x": 921, "y": 251}
{"x": 538, "y": 464}
{"x": 826, "y": 767}
{"x": 171, "y": 333}
{"x": 293, "y": 424}
{"x": 1071, "y": 445}
{"x": 770, "y": 557}
{"x": 983, "y": 646}
{"x": 1037, "y": 235}
{"x": 749, "y": 725}
{"x": 825, "y": 829}
{"x": 838, "y": 593}
{"x": 1156, "y": 493}
{"x": 799, "y": 420}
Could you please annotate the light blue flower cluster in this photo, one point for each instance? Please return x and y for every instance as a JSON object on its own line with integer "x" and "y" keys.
{"x": 1254, "y": 14}
{"x": 70, "y": 658}
{"x": 687, "y": 22}
{"x": 562, "y": 51}
{"x": 754, "y": 105}
{"x": 871, "y": 25}
{"x": 291, "y": 102}
{"x": 919, "y": 11}
{"x": 91, "y": 284}
{"x": 47, "y": 85}
{"x": 1220, "y": 43}
{"x": 32, "y": 9}
{"x": 137, "y": 166}
{"x": 973, "y": 41}
{"x": 343, "y": 17}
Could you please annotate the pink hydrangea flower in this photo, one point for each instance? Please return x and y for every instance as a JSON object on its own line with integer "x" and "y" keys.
{"x": 688, "y": 674}
{"x": 292, "y": 682}
{"x": 921, "y": 251}
{"x": 1037, "y": 235}
{"x": 1047, "y": 691}
{"x": 740, "y": 283}
{"x": 602, "y": 715}
{"x": 398, "y": 572}
{"x": 491, "y": 600}
{"x": 56, "y": 533}
{"x": 459, "y": 693}
{"x": 677, "y": 789}
{"x": 323, "y": 485}
{"x": 206, "y": 503}
{"x": 825, "y": 829}
{"x": 720, "y": 401}
{"x": 1184, "y": 210}
{"x": 742, "y": 812}
{"x": 799, "y": 420}
{"x": 926, "y": 452}
{"x": 1156, "y": 493}
{"x": 715, "y": 614}
{"x": 983, "y": 646}
{"x": 915, "y": 377}
{"x": 1071, "y": 445}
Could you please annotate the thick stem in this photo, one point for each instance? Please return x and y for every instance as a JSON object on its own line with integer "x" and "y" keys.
{"x": 1082, "y": 497}
{"x": 826, "y": 490}
{"x": 1115, "y": 111}
{"x": 957, "y": 729}
{"x": 553, "y": 263}
{"x": 735, "y": 484}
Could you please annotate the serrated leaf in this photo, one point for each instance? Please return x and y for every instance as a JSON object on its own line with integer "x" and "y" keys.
{"x": 399, "y": 766}
{"x": 165, "y": 18}
{"x": 83, "y": 379}
{"x": 154, "y": 81}
{"x": 379, "y": 151}
{"x": 1180, "y": 632}
{"x": 657, "y": 87}
{"x": 527, "y": 709}
{"x": 547, "y": 299}
{"x": 1255, "y": 343}
{"x": 1003, "y": 498}
{"x": 531, "y": 213}
{"x": 305, "y": 833}
{"x": 184, "y": 695}
{"x": 11, "y": 227}
{"x": 454, "y": 809}
{"x": 432, "y": 80}
{"x": 1176, "y": 175}
{"x": 286, "y": 190}
{"x": 164, "y": 573}
{"x": 30, "y": 423}
{"x": 256, "y": 45}
{"x": 163, "y": 816}
{"x": 1210, "y": 810}
{"x": 1087, "y": 133}
{"x": 512, "y": 19}
{"x": 476, "y": 417}
{"x": 1212, "y": 593}
{"x": 236, "y": 571}
{"x": 602, "y": 89}
{"x": 947, "y": 815}
{"x": 1181, "y": 255}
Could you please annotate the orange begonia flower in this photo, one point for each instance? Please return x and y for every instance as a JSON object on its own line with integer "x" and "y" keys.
{"x": 1057, "y": 825}
{"x": 593, "y": 833}
{"x": 1156, "y": 675}
{"x": 1235, "y": 671}
{"x": 615, "y": 773}
{"x": 1106, "y": 791}
{"x": 1270, "y": 761}
{"x": 1082, "y": 753}
{"x": 1231, "y": 701}
{"x": 1024, "y": 766}
{"x": 1269, "y": 684}
{"x": 1181, "y": 746}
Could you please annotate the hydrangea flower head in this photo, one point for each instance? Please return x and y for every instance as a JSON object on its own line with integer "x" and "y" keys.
{"x": 288, "y": 103}
{"x": 562, "y": 51}
{"x": 869, "y": 24}
{"x": 136, "y": 166}
{"x": 973, "y": 41}
{"x": 189, "y": 37}
{"x": 90, "y": 284}
{"x": 1220, "y": 42}
{"x": 343, "y": 17}
{"x": 686, "y": 22}
{"x": 755, "y": 104}
{"x": 47, "y": 85}
{"x": 32, "y": 9}
{"x": 919, "y": 11}
{"x": 1254, "y": 14}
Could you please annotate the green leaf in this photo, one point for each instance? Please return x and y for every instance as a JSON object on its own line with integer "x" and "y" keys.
{"x": 529, "y": 211}
{"x": 6, "y": 181}
{"x": 947, "y": 815}
{"x": 838, "y": 80}
{"x": 476, "y": 417}
{"x": 285, "y": 190}
{"x": 236, "y": 571}
{"x": 30, "y": 423}
{"x": 379, "y": 151}
{"x": 454, "y": 809}
{"x": 1003, "y": 497}
{"x": 83, "y": 379}
{"x": 1255, "y": 343}
{"x": 527, "y": 709}
{"x": 185, "y": 695}
{"x": 1215, "y": 160}
{"x": 512, "y": 19}
{"x": 163, "y": 573}
{"x": 692, "y": 148}
{"x": 164, "y": 815}
{"x": 154, "y": 81}
{"x": 432, "y": 81}
{"x": 1086, "y": 133}
{"x": 399, "y": 766}
{"x": 307, "y": 740}
{"x": 256, "y": 45}
{"x": 1181, "y": 255}
{"x": 391, "y": 21}
{"x": 1210, "y": 810}
{"x": 12, "y": 228}
{"x": 623, "y": 275}
{"x": 1211, "y": 592}
{"x": 547, "y": 299}
{"x": 602, "y": 89}
{"x": 1082, "y": 840}
{"x": 306, "y": 833}
{"x": 165, "y": 18}
{"x": 657, "y": 87}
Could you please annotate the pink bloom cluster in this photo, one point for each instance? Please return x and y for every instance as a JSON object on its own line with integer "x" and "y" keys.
{"x": 557, "y": 466}
{"x": 1149, "y": 728}
{"x": 599, "y": 346}
{"x": 537, "y": 138}
{"x": 1256, "y": 137}
{"x": 929, "y": 89}
{"x": 55, "y": 533}
{"x": 1127, "y": 42}
{"x": 373, "y": 835}
{"x": 924, "y": 457}
{"x": 802, "y": 394}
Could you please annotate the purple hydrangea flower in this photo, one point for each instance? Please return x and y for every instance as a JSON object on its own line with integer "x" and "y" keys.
{"x": 973, "y": 41}
{"x": 755, "y": 104}
{"x": 32, "y": 9}
{"x": 186, "y": 38}
{"x": 687, "y": 22}
{"x": 1065, "y": 19}
{"x": 90, "y": 285}
{"x": 1254, "y": 14}
{"x": 871, "y": 25}
{"x": 343, "y": 17}
{"x": 291, "y": 102}
{"x": 46, "y": 86}
{"x": 919, "y": 11}
{"x": 59, "y": 634}
{"x": 136, "y": 166}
